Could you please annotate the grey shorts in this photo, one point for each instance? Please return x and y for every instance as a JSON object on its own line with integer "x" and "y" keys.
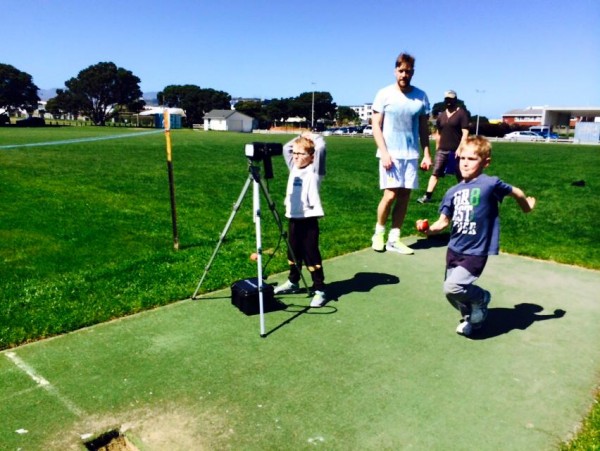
{"x": 445, "y": 162}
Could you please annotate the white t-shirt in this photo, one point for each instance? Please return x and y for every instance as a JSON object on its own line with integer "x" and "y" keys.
{"x": 401, "y": 114}
{"x": 302, "y": 198}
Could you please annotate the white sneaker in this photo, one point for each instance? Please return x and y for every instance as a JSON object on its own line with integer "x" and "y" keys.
{"x": 398, "y": 246}
{"x": 318, "y": 299}
{"x": 378, "y": 242}
{"x": 479, "y": 312}
{"x": 464, "y": 328}
{"x": 286, "y": 288}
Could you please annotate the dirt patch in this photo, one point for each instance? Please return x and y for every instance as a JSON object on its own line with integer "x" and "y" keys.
{"x": 162, "y": 427}
{"x": 111, "y": 441}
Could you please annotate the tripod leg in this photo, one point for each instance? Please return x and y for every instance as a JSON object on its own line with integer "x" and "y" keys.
{"x": 271, "y": 205}
{"x": 236, "y": 207}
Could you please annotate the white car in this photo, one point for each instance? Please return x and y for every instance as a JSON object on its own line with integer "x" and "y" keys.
{"x": 523, "y": 136}
{"x": 368, "y": 130}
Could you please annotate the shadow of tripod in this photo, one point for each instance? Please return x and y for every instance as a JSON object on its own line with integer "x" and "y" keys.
{"x": 258, "y": 187}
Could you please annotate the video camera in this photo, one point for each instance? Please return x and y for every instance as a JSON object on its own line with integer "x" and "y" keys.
{"x": 260, "y": 151}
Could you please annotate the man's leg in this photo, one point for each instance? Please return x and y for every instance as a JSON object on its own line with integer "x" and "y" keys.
{"x": 425, "y": 198}
{"x": 385, "y": 205}
{"x": 383, "y": 212}
{"x": 398, "y": 214}
{"x": 439, "y": 166}
{"x": 400, "y": 207}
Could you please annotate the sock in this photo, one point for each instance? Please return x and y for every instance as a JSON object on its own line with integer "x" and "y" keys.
{"x": 379, "y": 228}
{"x": 394, "y": 234}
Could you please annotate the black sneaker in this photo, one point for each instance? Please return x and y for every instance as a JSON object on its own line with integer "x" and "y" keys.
{"x": 424, "y": 199}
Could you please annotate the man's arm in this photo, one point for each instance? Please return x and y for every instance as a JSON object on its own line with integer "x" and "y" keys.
{"x": 424, "y": 140}
{"x": 465, "y": 134}
{"x": 384, "y": 155}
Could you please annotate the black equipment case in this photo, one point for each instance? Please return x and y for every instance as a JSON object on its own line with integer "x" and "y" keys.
{"x": 244, "y": 295}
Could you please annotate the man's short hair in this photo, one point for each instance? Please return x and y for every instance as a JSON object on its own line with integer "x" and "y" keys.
{"x": 405, "y": 58}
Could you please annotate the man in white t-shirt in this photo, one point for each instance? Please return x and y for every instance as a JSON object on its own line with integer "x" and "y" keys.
{"x": 400, "y": 126}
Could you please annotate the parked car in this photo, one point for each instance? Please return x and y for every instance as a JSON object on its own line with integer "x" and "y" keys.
{"x": 523, "y": 136}
{"x": 368, "y": 130}
{"x": 342, "y": 131}
{"x": 544, "y": 131}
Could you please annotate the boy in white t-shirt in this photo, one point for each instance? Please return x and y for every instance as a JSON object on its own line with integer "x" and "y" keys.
{"x": 303, "y": 209}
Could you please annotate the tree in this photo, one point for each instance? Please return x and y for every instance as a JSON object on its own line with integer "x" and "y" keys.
{"x": 324, "y": 107}
{"x": 17, "y": 89}
{"x": 99, "y": 90}
{"x": 65, "y": 103}
{"x": 195, "y": 101}
{"x": 255, "y": 110}
{"x": 278, "y": 110}
{"x": 346, "y": 115}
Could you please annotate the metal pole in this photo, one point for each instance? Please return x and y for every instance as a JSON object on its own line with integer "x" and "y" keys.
{"x": 480, "y": 92}
{"x": 256, "y": 206}
{"x": 167, "y": 125}
{"x": 312, "y": 117}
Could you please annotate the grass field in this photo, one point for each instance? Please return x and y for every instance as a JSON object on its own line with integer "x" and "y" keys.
{"x": 85, "y": 228}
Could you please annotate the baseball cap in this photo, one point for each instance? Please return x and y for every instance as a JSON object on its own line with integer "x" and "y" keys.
{"x": 450, "y": 95}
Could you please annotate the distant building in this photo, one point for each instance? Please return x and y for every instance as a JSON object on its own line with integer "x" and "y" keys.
{"x": 228, "y": 120}
{"x": 365, "y": 112}
{"x": 175, "y": 116}
{"x": 551, "y": 116}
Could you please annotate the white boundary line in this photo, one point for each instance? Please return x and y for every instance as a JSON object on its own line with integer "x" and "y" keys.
{"x": 81, "y": 140}
{"x": 43, "y": 383}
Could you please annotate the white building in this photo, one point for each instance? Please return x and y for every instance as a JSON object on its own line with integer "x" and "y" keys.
{"x": 228, "y": 120}
{"x": 365, "y": 112}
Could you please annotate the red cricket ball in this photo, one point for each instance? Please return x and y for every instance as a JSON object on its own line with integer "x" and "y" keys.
{"x": 422, "y": 225}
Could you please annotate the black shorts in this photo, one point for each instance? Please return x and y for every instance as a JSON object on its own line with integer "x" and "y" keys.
{"x": 445, "y": 163}
{"x": 475, "y": 264}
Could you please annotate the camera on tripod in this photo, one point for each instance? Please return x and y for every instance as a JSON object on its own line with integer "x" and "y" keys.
{"x": 260, "y": 151}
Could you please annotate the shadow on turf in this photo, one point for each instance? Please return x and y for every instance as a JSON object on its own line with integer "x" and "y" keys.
{"x": 361, "y": 282}
{"x": 432, "y": 241}
{"x": 504, "y": 320}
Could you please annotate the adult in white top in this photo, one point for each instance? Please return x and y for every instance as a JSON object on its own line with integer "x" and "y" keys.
{"x": 400, "y": 128}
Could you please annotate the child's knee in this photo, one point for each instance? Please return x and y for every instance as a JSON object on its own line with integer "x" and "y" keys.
{"x": 452, "y": 288}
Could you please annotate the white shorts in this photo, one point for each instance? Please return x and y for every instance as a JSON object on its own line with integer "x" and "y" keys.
{"x": 403, "y": 174}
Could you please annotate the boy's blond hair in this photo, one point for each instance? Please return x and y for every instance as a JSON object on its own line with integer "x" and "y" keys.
{"x": 305, "y": 144}
{"x": 483, "y": 148}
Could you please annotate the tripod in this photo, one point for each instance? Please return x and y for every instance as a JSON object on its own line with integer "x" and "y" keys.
{"x": 258, "y": 186}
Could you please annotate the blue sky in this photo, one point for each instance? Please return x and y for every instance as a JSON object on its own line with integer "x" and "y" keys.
{"x": 516, "y": 53}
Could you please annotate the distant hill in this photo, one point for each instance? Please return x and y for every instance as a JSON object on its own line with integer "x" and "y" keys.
{"x": 149, "y": 97}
